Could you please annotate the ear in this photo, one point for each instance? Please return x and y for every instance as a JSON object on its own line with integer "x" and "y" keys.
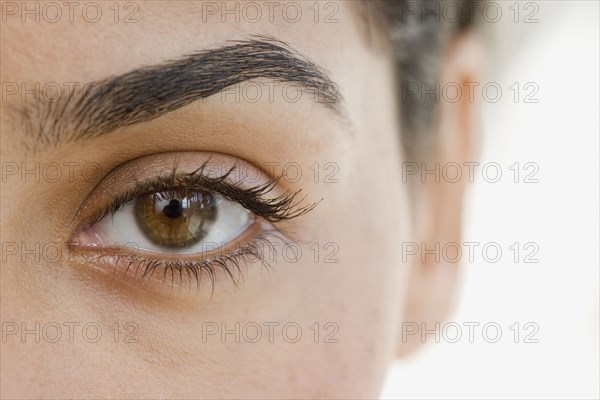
{"x": 438, "y": 199}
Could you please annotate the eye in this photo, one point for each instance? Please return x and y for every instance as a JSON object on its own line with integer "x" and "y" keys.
{"x": 144, "y": 222}
{"x": 172, "y": 221}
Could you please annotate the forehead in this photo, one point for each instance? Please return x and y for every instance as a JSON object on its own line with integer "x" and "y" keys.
{"x": 72, "y": 41}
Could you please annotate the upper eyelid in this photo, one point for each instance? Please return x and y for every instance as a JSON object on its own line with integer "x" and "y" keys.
{"x": 275, "y": 209}
{"x": 109, "y": 175}
{"x": 177, "y": 155}
{"x": 251, "y": 198}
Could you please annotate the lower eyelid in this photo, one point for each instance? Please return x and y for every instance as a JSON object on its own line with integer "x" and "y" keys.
{"x": 190, "y": 273}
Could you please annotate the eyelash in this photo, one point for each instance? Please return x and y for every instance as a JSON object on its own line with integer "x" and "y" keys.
{"x": 281, "y": 208}
{"x": 194, "y": 270}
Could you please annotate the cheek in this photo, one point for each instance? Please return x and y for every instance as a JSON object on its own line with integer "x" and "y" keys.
{"x": 363, "y": 293}
{"x": 337, "y": 320}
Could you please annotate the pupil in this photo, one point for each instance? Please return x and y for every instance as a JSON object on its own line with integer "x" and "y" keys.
{"x": 173, "y": 210}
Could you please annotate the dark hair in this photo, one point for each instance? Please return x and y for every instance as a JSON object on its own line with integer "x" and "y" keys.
{"x": 418, "y": 31}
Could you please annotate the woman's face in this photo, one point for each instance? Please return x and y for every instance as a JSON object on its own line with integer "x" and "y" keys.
{"x": 141, "y": 310}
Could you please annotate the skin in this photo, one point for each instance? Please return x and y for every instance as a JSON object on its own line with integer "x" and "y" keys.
{"x": 367, "y": 213}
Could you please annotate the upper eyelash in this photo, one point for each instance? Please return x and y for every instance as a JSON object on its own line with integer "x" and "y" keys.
{"x": 283, "y": 207}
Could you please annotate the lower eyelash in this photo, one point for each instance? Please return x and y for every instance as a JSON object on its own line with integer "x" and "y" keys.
{"x": 193, "y": 270}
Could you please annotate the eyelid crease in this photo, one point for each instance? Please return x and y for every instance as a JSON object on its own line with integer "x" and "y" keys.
{"x": 283, "y": 207}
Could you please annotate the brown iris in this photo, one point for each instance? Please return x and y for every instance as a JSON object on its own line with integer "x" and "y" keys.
{"x": 175, "y": 219}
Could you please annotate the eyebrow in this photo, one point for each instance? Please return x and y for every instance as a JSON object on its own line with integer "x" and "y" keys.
{"x": 147, "y": 93}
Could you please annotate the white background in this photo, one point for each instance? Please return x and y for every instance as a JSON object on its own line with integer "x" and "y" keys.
{"x": 560, "y": 214}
